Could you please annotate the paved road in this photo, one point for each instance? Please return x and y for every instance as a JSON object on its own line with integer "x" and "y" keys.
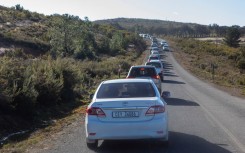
{"x": 202, "y": 120}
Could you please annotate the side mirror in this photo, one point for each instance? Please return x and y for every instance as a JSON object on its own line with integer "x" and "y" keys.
{"x": 165, "y": 94}
{"x": 91, "y": 96}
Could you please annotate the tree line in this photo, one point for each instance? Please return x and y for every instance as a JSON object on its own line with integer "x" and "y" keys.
{"x": 170, "y": 28}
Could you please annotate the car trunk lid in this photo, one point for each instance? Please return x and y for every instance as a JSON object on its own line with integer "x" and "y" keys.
{"x": 125, "y": 109}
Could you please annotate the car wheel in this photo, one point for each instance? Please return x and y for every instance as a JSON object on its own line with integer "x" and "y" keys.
{"x": 92, "y": 145}
{"x": 162, "y": 78}
{"x": 164, "y": 142}
{"x": 160, "y": 91}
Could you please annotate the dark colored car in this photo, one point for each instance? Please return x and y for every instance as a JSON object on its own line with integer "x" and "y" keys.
{"x": 145, "y": 72}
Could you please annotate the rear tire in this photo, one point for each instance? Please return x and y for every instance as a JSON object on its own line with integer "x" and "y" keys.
{"x": 162, "y": 79}
{"x": 164, "y": 142}
{"x": 93, "y": 145}
{"x": 160, "y": 91}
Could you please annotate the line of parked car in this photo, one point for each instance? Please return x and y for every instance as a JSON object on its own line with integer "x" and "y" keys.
{"x": 131, "y": 108}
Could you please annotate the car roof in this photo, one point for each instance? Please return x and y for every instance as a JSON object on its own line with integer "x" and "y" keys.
{"x": 153, "y": 55}
{"x": 157, "y": 61}
{"x": 154, "y": 48}
{"x": 127, "y": 80}
{"x": 145, "y": 66}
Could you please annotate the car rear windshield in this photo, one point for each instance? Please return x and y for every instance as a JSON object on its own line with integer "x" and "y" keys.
{"x": 126, "y": 90}
{"x": 142, "y": 72}
{"x": 155, "y": 49}
{"x": 156, "y": 64}
{"x": 154, "y": 58}
{"x": 155, "y": 52}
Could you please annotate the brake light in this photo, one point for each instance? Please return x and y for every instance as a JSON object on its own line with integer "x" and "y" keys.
{"x": 95, "y": 111}
{"x": 155, "y": 110}
{"x": 156, "y": 76}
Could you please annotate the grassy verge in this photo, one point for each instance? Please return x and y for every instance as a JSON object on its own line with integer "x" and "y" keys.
{"x": 24, "y": 142}
{"x": 211, "y": 62}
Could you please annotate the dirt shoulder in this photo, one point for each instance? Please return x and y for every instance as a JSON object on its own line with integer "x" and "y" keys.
{"x": 188, "y": 62}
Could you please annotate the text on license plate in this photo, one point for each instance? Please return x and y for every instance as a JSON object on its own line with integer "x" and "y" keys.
{"x": 125, "y": 114}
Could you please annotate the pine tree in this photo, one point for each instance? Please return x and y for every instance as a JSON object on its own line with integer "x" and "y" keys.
{"x": 232, "y": 37}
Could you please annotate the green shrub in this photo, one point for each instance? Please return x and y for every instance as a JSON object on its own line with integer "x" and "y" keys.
{"x": 43, "y": 82}
{"x": 241, "y": 63}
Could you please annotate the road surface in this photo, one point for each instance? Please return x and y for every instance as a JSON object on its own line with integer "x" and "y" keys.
{"x": 202, "y": 120}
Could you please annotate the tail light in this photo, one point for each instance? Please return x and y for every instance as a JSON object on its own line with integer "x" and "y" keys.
{"x": 155, "y": 110}
{"x": 156, "y": 76}
{"x": 95, "y": 111}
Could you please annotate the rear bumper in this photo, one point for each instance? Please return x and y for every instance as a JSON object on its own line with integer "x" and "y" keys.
{"x": 156, "y": 128}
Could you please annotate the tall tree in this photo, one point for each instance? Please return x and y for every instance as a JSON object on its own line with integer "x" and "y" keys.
{"x": 232, "y": 36}
{"x": 18, "y": 7}
{"x": 64, "y": 34}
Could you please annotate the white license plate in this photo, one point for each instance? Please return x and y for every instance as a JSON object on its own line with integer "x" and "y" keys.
{"x": 125, "y": 114}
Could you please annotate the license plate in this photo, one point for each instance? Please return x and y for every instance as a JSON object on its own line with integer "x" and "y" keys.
{"x": 125, "y": 114}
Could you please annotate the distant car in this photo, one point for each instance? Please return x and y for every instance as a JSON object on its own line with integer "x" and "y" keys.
{"x": 163, "y": 42}
{"x": 165, "y": 48}
{"x": 166, "y": 45}
{"x": 126, "y": 109}
{"x": 154, "y": 40}
{"x": 145, "y": 72}
{"x": 153, "y": 57}
{"x": 154, "y": 48}
{"x": 154, "y": 45}
{"x": 159, "y": 67}
{"x": 156, "y": 53}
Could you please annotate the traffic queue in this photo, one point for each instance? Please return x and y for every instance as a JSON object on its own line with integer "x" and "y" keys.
{"x": 131, "y": 108}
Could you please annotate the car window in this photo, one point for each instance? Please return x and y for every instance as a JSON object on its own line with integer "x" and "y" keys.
{"x": 142, "y": 72}
{"x": 154, "y": 58}
{"x": 155, "y": 53}
{"x": 126, "y": 90}
{"x": 157, "y": 65}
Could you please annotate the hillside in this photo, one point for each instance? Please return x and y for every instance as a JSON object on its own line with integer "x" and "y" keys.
{"x": 51, "y": 64}
{"x": 172, "y": 28}
{"x": 22, "y": 29}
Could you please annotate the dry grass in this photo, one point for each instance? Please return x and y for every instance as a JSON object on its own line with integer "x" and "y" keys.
{"x": 219, "y": 39}
{"x": 226, "y": 77}
{"x": 36, "y": 138}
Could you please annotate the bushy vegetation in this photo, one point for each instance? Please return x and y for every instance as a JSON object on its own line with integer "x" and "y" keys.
{"x": 62, "y": 35}
{"x": 203, "y": 56}
{"x": 56, "y": 61}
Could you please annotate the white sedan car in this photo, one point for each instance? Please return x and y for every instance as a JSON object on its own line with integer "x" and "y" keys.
{"x": 159, "y": 67}
{"x": 126, "y": 109}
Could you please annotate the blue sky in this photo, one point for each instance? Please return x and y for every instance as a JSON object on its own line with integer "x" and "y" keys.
{"x": 221, "y": 12}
